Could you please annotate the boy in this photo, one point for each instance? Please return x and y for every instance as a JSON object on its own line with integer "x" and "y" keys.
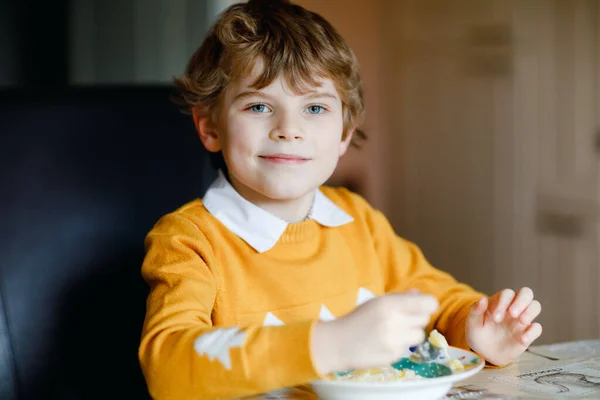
{"x": 271, "y": 280}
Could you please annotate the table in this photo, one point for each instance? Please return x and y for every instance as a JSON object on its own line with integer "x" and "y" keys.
{"x": 556, "y": 371}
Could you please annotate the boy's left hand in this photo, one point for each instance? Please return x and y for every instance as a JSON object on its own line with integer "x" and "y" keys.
{"x": 501, "y": 328}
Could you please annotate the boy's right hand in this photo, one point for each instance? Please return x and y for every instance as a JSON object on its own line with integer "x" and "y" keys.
{"x": 375, "y": 334}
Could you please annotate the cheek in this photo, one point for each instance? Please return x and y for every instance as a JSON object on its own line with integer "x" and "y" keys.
{"x": 240, "y": 138}
{"x": 331, "y": 137}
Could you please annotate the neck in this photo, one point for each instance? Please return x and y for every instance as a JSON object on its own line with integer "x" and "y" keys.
{"x": 290, "y": 210}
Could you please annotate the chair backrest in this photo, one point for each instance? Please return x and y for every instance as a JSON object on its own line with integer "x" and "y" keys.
{"x": 84, "y": 174}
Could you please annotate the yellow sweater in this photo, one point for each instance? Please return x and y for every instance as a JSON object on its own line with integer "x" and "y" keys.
{"x": 224, "y": 321}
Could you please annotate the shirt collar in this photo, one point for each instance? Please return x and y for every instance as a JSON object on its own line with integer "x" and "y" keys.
{"x": 257, "y": 227}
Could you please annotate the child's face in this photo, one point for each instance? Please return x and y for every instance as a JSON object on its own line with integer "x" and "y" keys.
{"x": 279, "y": 145}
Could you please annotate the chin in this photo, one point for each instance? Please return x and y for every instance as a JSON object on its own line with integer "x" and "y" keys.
{"x": 280, "y": 186}
{"x": 286, "y": 191}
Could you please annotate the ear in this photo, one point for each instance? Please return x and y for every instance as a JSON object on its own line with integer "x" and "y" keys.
{"x": 206, "y": 129}
{"x": 344, "y": 144}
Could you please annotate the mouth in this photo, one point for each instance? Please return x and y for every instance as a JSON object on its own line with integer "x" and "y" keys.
{"x": 284, "y": 158}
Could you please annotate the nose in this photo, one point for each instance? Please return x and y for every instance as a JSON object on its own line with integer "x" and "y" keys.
{"x": 287, "y": 128}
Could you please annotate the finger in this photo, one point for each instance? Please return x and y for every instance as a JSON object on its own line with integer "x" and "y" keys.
{"x": 530, "y": 313}
{"x": 521, "y": 302}
{"x": 532, "y": 333}
{"x": 417, "y": 304}
{"x": 415, "y": 336}
{"x": 415, "y": 321}
{"x": 499, "y": 303}
{"x": 477, "y": 312}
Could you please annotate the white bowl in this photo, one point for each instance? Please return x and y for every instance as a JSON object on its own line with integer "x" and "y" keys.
{"x": 420, "y": 389}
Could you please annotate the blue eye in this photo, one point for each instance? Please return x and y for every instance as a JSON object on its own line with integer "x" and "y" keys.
{"x": 259, "y": 108}
{"x": 316, "y": 109}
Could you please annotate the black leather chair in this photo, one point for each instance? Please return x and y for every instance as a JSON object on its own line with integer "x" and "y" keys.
{"x": 84, "y": 174}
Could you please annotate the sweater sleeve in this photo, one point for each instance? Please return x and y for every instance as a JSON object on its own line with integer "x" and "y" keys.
{"x": 406, "y": 268}
{"x": 182, "y": 354}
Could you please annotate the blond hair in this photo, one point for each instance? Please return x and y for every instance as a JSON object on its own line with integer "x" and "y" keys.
{"x": 290, "y": 41}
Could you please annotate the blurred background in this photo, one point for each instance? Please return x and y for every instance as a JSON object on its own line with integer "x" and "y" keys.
{"x": 484, "y": 138}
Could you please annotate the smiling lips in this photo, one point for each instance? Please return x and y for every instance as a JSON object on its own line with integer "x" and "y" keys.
{"x": 285, "y": 158}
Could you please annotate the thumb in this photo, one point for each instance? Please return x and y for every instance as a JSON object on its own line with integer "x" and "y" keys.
{"x": 477, "y": 313}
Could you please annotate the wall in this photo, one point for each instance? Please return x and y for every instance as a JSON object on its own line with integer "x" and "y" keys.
{"x": 497, "y": 119}
{"x": 134, "y": 41}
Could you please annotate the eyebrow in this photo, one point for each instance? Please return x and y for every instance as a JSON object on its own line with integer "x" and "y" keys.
{"x": 249, "y": 93}
{"x": 256, "y": 93}
{"x": 315, "y": 94}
